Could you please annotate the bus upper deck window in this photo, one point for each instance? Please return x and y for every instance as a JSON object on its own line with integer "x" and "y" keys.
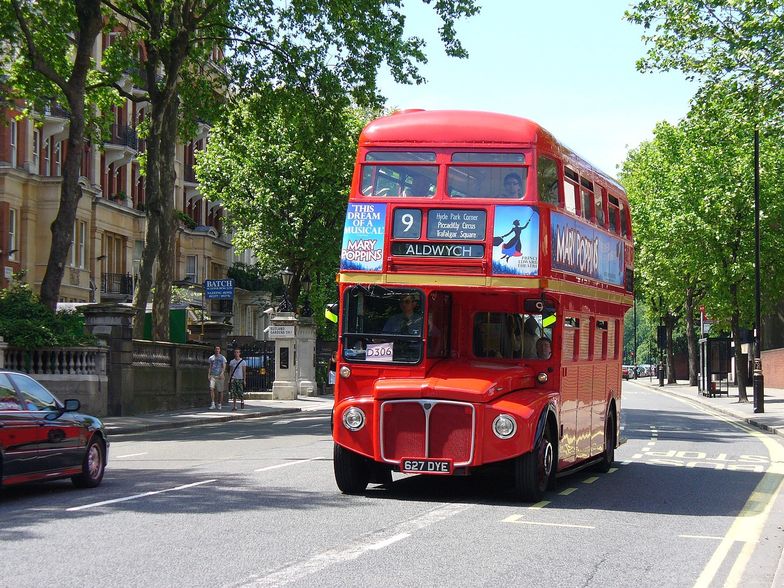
{"x": 570, "y": 190}
{"x": 547, "y": 180}
{"x": 399, "y": 173}
{"x": 599, "y": 206}
{"x": 624, "y": 224}
{"x": 487, "y": 175}
{"x": 614, "y": 210}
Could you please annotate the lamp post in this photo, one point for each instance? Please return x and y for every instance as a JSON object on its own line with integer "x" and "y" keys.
{"x": 758, "y": 380}
{"x": 306, "y": 283}
{"x": 285, "y": 306}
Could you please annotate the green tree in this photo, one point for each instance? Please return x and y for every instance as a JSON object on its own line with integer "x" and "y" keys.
{"x": 736, "y": 41}
{"x": 328, "y": 49}
{"x": 281, "y": 163}
{"x": 46, "y": 50}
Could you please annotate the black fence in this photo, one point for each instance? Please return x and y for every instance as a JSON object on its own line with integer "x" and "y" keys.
{"x": 260, "y": 357}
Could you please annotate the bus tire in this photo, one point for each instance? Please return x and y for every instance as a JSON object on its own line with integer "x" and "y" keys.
{"x": 608, "y": 457}
{"x": 352, "y": 471}
{"x": 535, "y": 470}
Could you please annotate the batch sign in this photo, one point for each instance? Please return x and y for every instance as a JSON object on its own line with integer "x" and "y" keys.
{"x": 219, "y": 289}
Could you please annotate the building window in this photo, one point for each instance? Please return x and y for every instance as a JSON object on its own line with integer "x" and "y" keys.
{"x": 58, "y": 158}
{"x": 13, "y": 143}
{"x": 78, "y": 252}
{"x": 191, "y": 268}
{"x": 36, "y": 151}
{"x": 12, "y": 235}
{"x": 47, "y": 157}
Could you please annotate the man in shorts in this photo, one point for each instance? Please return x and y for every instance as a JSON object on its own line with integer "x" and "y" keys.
{"x": 216, "y": 375}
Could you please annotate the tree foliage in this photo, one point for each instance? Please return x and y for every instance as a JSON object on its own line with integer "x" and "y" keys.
{"x": 737, "y": 41}
{"x": 281, "y": 163}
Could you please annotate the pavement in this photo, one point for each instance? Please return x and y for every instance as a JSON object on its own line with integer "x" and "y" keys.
{"x": 123, "y": 425}
{"x": 771, "y": 420}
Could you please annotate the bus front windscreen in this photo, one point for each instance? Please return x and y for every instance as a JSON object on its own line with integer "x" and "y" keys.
{"x": 383, "y": 325}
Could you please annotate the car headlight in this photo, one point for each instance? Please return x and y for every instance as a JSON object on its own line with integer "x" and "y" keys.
{"x": 541, "y": 377}
{"x": 504, "y": 426}
{"x": 345, "y": 371}
{"x": 353, "y": 418}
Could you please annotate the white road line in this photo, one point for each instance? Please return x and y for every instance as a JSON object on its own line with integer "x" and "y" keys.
{"x": 287, "y": 464}
{"x": 281, "y": 422}
{"x": 701, "y": 537}
{"x": 129, "y": 455}
{"x": 520, "y": 522}
{"x": 135, "y": 496}
{"x": 243, "y": 437}
{"x": 375, "y": 541}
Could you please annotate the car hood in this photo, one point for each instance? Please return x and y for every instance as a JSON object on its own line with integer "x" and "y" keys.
{"x": 471, "y": 381}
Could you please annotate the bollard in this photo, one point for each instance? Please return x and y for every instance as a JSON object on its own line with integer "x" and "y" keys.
{"x": 661, "y": 374}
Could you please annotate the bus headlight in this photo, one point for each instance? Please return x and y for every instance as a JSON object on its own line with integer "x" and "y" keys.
{"x": 353, "y": 419}
{"x": 345, "y": 371}
{"x": 504, "y": 426}
{"x": 541, "y": 377}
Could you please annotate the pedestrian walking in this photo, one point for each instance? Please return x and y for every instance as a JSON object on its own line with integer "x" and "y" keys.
{"x": 333, "y": 366}
{"x": 237, "y": 379}
{"x": 215, "y": 376}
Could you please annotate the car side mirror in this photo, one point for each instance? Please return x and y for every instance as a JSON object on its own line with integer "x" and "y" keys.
{"x": 72, "y": 405}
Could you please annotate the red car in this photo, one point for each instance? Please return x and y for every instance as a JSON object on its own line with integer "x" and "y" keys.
{"x": 42, "y": 438}
{"x": 629, "y": 372}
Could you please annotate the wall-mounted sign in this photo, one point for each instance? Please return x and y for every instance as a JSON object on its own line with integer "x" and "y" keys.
{"x": 363, "y": 237}
{"x": 456, "y": 225}
{"x": 219, "y": 289}
{"x": 419, "y": 249}
{"x": 280, "y": 331}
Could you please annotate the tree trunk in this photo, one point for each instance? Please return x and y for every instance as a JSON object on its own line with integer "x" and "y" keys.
{"x": 90, "y": 20}
{"x": 669, "y": 322}
{"x": 691, "y": 338}
{"x": 70, "y": 193}
{"x": 152, "y": 242}
{"x": 740, "y": 370}
{"x": 168, "y": 224}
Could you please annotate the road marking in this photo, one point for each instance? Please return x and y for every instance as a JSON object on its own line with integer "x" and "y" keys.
{"x": 750, "y": 521}
{"x": 243, "y": 437}
{"x": 540, "y": 504}
{"x": 373, "y": 542}
{"x": 651, "y": 443}
{"x": 281, "y": 422}
{"x": 568, "y": 491}
{"x": 516, "y": 519}
{"x": 287, "y": 464}
{"x": 130, "y": 455}
{"x": 135, "y": 496}
{"x": 590, "y": 480}
{"x": 701, "y": 537}
{"x": 612, "y": 470}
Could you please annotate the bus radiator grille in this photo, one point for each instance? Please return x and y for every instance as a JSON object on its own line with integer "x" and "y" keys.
{"x": 427, "y": 428}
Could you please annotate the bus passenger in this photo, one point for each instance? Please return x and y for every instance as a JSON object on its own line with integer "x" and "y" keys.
{"x": 513, "y": 186}
{"x": 544, "y": 348}
{"x": 530, "y": 337}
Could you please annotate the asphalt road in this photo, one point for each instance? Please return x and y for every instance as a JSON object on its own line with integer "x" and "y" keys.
{"x": 694, "y": 501}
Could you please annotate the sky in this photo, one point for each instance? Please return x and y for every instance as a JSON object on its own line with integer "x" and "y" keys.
{"x": 568, "y": 65}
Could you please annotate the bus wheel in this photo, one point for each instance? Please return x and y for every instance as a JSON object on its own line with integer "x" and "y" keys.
{"x": 352, "y": 471}
{"x": 608, "y": 457}
{"x": 535, "y": 470}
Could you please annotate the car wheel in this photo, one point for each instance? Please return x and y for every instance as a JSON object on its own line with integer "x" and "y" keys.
{"x": 352, "y": 471}
{"x": 608, "y": 457}
{"x": 93, "y": 465}
{"x": 535, "y": 470}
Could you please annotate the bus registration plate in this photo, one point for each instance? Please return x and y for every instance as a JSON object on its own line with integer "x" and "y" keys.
{"x": 426, "y": 466}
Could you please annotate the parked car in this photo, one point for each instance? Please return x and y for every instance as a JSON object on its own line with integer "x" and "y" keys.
{"x": 42, "y": 438}
{"x": 629, "y": 372}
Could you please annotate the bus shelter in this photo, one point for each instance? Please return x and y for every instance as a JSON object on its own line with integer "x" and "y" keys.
{"x": 715, "y": 354}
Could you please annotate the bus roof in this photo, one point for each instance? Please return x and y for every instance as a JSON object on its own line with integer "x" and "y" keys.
{"x": 467, "y": 127}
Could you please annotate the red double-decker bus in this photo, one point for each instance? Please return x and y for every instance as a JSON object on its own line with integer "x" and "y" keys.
{"x": 485, "y": 273}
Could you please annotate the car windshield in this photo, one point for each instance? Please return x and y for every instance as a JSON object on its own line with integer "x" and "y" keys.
{"x": 383, "y": 325}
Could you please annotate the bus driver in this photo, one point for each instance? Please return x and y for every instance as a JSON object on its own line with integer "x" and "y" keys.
{"x": 408, "y": 321}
